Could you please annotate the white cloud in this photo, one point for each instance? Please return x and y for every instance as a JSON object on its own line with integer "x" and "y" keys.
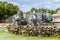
{"x": 58, "y": 5}
{"x": 48, "y": 6}
{"x": 28, "y": 0}
{"x": 56, "y": 0}
{"x": 48, "y": 3}
{"x": 15, "y": 3}
{"x": 3, "y": 0}
{"x": 25, "y": 7}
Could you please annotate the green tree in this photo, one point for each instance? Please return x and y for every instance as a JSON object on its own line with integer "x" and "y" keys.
{"x": 7, "y": 10}
{"x": 34, "y": 9}
{"x": 57, "y": 9}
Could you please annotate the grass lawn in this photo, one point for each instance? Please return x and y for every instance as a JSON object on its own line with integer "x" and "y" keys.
{"x": 8, "y": 36}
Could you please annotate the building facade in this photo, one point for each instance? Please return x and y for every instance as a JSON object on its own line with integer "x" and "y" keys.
{"x": 56, "y": 19}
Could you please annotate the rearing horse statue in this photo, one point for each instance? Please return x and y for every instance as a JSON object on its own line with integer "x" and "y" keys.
{"x": 17, "y": 18}
{"x": 37, "y": 19}
{"x": 34, "y": 19}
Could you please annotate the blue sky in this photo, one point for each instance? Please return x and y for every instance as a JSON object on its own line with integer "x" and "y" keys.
{"x": 26, "y": 5}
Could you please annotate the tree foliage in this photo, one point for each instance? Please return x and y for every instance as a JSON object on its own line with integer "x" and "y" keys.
{"x": 7, "y": 10}
{"x": 43, "y": 9}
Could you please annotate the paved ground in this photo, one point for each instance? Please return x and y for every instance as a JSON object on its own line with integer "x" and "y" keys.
{"x": 4, "y": 24}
